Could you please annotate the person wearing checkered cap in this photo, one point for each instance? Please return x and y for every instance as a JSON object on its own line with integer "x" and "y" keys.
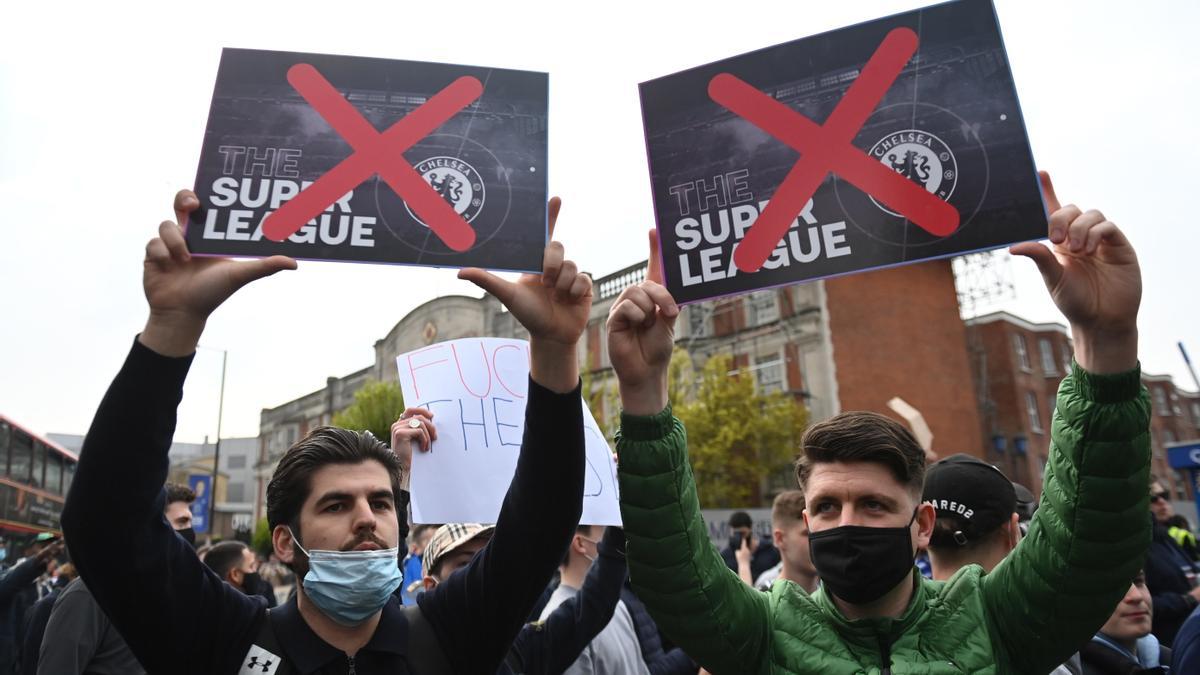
{"x": 976, "y": 515}
{"x": 450, "y": 549}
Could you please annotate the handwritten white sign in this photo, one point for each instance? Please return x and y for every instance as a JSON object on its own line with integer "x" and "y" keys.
{"x": 477, "y": 389}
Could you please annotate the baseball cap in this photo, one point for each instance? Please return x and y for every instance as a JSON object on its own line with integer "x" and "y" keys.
{"x": 975, "y": 497}
{"x": 448, "y": 538}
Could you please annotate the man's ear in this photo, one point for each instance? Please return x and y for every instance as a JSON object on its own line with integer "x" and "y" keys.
{"x": 283, "y": 544}
{"x": 777, "y": 537}
{"x": 429, "y": 583}
{"x": 926, "y": 516}
{"x": 1014, "y": 531}
{"x": 236, "y": 577}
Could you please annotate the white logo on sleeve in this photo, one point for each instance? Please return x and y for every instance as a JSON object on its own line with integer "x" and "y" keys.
{"x": 259, "y": 661}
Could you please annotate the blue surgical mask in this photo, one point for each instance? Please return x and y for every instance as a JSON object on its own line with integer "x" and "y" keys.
{"x": 350, "y": 586}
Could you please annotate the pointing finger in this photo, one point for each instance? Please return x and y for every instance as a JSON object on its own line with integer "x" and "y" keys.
{"x": 552, "y": 208}
{"x": 1052, "y": 204}
{"x": 654, "y": 266}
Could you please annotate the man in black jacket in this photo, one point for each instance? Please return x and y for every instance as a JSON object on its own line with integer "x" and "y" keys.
{"x": 179, "y": 617}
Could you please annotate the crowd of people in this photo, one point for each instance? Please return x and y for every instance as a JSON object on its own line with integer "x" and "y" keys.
{"x": 876, "y": 563}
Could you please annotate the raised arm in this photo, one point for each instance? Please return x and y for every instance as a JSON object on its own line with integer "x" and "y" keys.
{"x": 693, "y": 596}
{"x": 479, "y": 610}
{"x": 551, "y": 646}
{"x": 1091, "y": 532}
{"x": 174, "y": 613}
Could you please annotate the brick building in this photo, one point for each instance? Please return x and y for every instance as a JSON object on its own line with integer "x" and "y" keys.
{"x": 1019, "y": 365}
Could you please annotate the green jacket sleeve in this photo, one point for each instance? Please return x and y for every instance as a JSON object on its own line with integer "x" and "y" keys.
{"x": 1091, "y": 531}
{"x": 704, "y": 607}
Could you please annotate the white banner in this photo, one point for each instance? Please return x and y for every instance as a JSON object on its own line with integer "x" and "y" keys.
{"x": 477, "y": 389}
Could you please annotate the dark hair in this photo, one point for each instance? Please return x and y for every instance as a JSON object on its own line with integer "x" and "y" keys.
{"x": 179, "y": 493}
{"x": 863, "y": 437}
{"x": 292, "y": 480}
{"x": 788, "y": 507}
{"x": 740, "y": 519}
{"x": 225, "y": 556}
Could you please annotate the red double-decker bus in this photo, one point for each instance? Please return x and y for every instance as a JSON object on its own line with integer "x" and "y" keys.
{"x": 35, "y": 474}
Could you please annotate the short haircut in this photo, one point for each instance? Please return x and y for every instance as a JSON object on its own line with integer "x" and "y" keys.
{"x": 225, "y": 556}
{"x": 788, "y": 508}
{"x": 585, "y": 530}
{"x": 740, "y": 519}
{"x": 292, "y": 481}
{"x": 179, "y": 493}
{"x": 863, "y": 437}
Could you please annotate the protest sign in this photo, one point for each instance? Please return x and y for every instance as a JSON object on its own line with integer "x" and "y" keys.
{"x": 345, "y": 158}
{"x": 476, "y": 389}
{"x": 885, "y": 143}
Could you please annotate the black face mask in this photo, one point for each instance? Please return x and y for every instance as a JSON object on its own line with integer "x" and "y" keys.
{"x": 251, "y": 583}
{"x": 188, "y": 534}
{"x": 861, "y": 564}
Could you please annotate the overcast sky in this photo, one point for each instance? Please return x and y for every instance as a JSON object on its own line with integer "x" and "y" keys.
{"x": 103, "y": 108}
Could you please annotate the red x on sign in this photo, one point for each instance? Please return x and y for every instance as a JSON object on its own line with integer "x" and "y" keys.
{"x": 827, "y": 147}
{"x": 376, "y": 152}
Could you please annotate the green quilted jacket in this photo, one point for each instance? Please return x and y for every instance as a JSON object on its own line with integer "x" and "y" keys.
{"x": 1086, "y": 542}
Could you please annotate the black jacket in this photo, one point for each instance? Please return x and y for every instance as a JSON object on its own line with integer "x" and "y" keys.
{"x": 1169, "y": 585}
{"x": 179, "y": 617}
{"x": 1099, "y": 659}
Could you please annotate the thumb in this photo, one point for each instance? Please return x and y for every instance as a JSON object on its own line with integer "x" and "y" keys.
{"x": 1052, "y": 204}
{"x": 503, "y": 290}
{"x": 252, "y": 270}
{"x": 654, "y": 265}
{"x": 1047, "y": 264}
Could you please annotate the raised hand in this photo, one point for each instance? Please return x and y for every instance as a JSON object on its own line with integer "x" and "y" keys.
{"x": 1092, "y": 274}
{"x": 641, "y": 335}
{"x": 414, "y": 426}
{"x": 553, "y": 306}
{"x": 182, "y": 291}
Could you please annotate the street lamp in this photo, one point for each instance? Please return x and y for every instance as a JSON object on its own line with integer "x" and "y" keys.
{"x": 212, "y": 498}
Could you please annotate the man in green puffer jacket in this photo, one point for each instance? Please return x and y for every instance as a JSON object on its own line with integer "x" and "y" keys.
{"x": 862, "y": 476}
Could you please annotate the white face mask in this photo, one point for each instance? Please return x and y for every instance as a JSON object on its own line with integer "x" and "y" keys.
{"x": 350, "y": 586}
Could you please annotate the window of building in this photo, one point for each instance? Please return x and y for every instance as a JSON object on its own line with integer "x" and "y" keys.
{"x": 1160, "y": 402}
{"x": 235, "y": 462}
{"x": 235, "y": 492}
{"x": 697, "y": 320}
{"x": 1021, "y": 351}
{"x": 1046, "y": 350}
{"x": 1196, "y": 413}
{"x": 1168, "y": 436}
{"x": 1175, "y": 409}
{"x": 1031, "y": 409}
{"x": 763, "y": 307}
{"x": 769, "y": 373}
{"x": 1053, "y": 401}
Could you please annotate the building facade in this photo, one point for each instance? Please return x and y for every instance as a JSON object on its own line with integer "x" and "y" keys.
{"x": 1019, "y": 366}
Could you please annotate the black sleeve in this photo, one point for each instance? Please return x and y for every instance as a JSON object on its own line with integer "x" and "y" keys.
{"x": 478, "y": 611}
{"x": 174, "y": 613}
{"x": 19, "y": 578}
{"x": 551, "y": 646}
{"x": 674, "y": 662}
